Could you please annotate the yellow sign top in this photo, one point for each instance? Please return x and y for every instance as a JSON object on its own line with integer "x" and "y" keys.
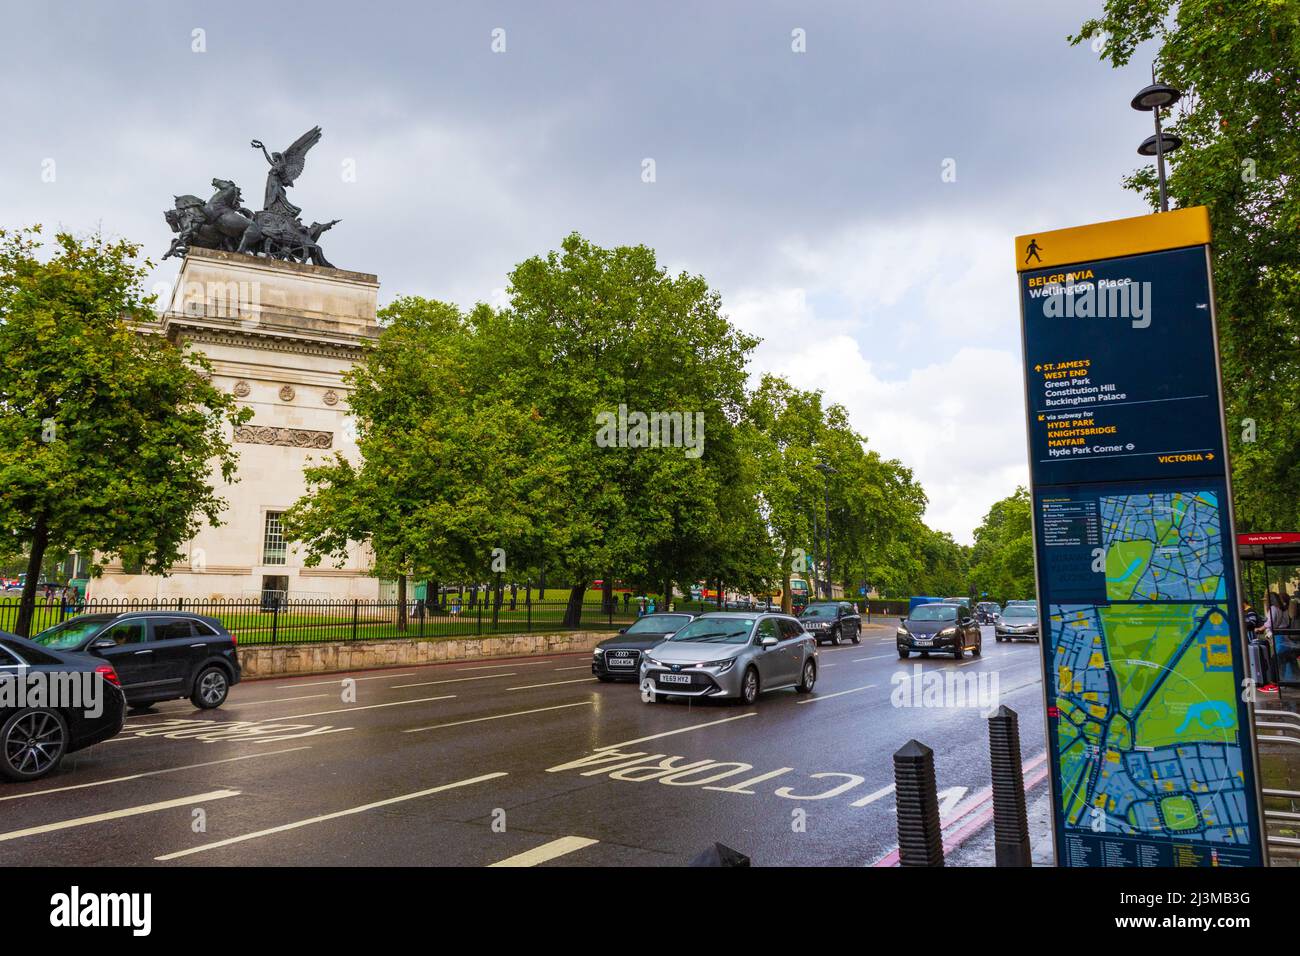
{"x": 1108, "y": 240}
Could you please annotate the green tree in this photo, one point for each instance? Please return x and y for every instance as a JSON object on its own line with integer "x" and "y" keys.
{"x": 1238, "y": 64}
{"x": 589, "y": 330}
{"x": 108, "y": 434}
{"x": 1002, "y": 560}
{"x": 446, "y": 472}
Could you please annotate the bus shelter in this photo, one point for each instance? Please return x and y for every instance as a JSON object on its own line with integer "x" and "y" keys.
{"x": 1270, "y": 562}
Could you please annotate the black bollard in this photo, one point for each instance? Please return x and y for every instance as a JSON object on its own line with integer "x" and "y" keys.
{"x": 1010, "y": 825}
{"x": 920, "y": 838}
{"x": 720, "y": 855}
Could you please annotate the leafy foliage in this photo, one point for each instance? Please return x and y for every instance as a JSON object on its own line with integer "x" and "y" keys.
{"x": 1238, "y": 64}
{"x": 107, "y": 435}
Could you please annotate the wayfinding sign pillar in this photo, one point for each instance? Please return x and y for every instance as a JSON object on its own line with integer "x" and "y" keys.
{"x": 1149, "y": 729}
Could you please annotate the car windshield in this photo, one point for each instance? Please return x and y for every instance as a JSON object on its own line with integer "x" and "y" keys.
{"x": 70, "y": 634}
{"x": 819, "y": 610}
{"x": 659, "y": 624}
{"x": 988, "y": 607}
{"x": 1021, "y": 610}
{"x": 934, "y": 612}
{"x": 716, "y": 630}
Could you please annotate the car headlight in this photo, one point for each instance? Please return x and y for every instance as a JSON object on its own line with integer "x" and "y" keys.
{"x": 650, "y": 660}
{"x": 948, "y": 632}
{"x": 597, "y": 651}
{"x": 902, "y": 632}
{"x": 723, "y": 666}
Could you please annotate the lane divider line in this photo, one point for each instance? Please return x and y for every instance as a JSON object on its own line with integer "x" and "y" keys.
{"x": 348, "y": 710}
{"x": 450, "y": 680}
{"x": 490, "y": 667}
{"x": 327, "y": 816}
{"x": 150, "y": 773}
{"x": 173, "y": 714}
{"x": 518, "y": 713}
{"x": 119, "y": 814}
{"x": 679, "y": 730}
{"x": 840, "y": 693}
{"x": 554, "y": 683}
{"x": 547, "y": 851}
{"x": 340, "y": 680}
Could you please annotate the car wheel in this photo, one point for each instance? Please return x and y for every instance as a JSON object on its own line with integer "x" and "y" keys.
{"x": 978, "y": 649}
{"x": 210, "y": 688}
{"x": 32, "y": 743}
{"x": 998, "y": 638}
{"x": 749, "y": 687}
{"x": 835, "y": 637}
{"x": 809, "y": 678}
{"x": 857, "y": 635}
{"x": 904, "y": 654}
{"x": 959, "y": 652}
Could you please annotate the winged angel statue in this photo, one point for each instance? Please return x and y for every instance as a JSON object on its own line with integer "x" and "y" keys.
{"x": 275, "y": 232}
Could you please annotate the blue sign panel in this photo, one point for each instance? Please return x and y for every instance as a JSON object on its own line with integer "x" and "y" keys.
{"x": 1149, "y": 737}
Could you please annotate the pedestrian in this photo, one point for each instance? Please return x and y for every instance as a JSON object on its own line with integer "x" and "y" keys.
{"x": 1250, "y": 617}
{"x": 1276, "y": 617}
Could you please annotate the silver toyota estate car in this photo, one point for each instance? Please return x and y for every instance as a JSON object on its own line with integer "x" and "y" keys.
{"x": 733, "y": 655}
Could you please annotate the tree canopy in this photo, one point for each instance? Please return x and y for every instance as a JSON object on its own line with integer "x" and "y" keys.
{"x": 108, "y": 435}
{"x": 1238, "y": 65}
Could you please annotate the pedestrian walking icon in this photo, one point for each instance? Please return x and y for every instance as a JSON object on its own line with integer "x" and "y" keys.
{"x": 1032, "y": 251}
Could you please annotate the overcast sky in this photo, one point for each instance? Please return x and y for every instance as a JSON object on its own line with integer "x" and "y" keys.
{"x": 806, "y": 187}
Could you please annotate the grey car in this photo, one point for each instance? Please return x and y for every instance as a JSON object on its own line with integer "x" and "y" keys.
{"x": 731, "y": 655}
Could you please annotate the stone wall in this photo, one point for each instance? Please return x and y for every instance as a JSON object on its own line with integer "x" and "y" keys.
{"x": 287, "y": 660}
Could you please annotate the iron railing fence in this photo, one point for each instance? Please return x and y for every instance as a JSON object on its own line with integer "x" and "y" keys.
{"x": 271, "y": 618}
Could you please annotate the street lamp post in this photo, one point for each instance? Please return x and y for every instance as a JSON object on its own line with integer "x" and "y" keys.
{"x": 1153, "y": 99}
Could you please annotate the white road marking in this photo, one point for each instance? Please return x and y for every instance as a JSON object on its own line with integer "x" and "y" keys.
{"x": 118, "y": 814}
{"x": 149, "y": 773}
{"x": 488, "y": 667}
{"x": 348, "y": 710}
{"x": 554, "y": 683}
{"x": 327, "y": 816}
{"x": 170, "y": 714}
{"x": 679, "y": 730}
{"x": 547, "y": 851}
{"x": 449, "y": 680}
{"x": 853, "y": 690}
{"x": 873, "y": 797}
{"x": 878, "y": 657}
{"x": 340, "y": 680}
{"x": 518, "y": 713}
{"x": 581, "y": 667}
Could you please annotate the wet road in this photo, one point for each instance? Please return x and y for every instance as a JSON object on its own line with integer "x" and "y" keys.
{"x": 527, "y": 762}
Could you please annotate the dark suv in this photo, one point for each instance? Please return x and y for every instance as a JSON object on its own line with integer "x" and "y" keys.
{"x": 620, "y": 656}
{"x": 947, "y": 628}
{"x": 831, "y": 621}
{"x": 158, "y": 655}
{"x": 987, "y": 612}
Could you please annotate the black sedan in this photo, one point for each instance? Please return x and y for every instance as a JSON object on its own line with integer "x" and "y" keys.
{"x": 80, "y": 703}
{"x": 832, "y": 621}
{"x": 946, "y": 628}
{"x": 987, "y": 612}
{"x": 159, "y": 655}
{"x": 1018, "y": 621}
{"x": 619, "y": 657}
